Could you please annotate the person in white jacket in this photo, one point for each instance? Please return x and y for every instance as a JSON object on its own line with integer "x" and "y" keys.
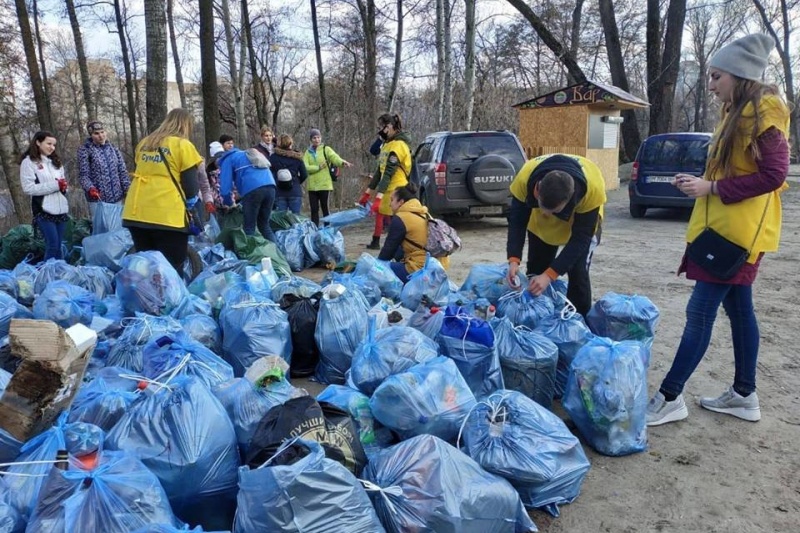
{"x": 43, "y": 179}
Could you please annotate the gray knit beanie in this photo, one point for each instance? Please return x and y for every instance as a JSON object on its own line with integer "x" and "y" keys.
{"x": 746, "y": 57}
{"x": 313, "y": 132}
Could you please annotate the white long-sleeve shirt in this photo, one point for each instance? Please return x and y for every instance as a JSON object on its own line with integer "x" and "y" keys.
{"x": 41, "y": 179}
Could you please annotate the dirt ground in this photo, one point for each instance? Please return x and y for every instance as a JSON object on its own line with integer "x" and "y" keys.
{"x": 711, "y": 472}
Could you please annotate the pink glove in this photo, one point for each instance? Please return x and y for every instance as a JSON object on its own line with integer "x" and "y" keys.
{"x": 364, "y": 199}
{"x": 62, "y": 185}
{"x": 376, "y": 205}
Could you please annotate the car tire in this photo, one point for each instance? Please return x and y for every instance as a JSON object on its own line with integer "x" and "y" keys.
{"x": 489, "y": 177}
{"x": 638, "y": 210}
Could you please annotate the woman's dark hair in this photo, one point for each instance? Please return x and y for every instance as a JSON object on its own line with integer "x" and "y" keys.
{"x": 406, "y": 193}
{"x": 33, "y": 149}
{"x": 391, "y": 118}
{"x": 225, "y": 138}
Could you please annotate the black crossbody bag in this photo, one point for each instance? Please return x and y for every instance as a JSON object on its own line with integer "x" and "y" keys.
{"x": 717, "y": 255}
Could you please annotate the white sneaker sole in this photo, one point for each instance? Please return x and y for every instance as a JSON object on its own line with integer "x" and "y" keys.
{"x": 752, "y": 414}
{"x": 674, "y": 416}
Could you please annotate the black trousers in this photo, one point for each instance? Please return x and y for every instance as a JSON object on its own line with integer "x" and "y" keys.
{"x": 579, "y": 288}
{"x": 317, "y": 199}
{"x": 172, "y": 244}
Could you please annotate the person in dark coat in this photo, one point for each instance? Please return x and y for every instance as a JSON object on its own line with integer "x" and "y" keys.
{"x": 290, "y": 173}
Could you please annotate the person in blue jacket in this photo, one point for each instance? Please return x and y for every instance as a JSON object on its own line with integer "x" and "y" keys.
{"x": 249, "y": 172}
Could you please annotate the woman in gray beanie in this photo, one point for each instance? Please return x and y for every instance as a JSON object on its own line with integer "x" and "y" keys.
{"x": 739, "y": 199}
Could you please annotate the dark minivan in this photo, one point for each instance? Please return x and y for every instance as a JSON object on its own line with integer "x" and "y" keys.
{"x": 660, "y": 157}
{"x": 468, "y": 172}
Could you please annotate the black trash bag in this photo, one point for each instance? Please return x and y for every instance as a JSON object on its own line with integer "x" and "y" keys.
{"x": 302, "y": 313}
{"x": 308, "y": 419}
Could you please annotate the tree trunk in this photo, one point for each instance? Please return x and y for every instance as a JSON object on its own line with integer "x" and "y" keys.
{"x": 574, "y": 70}
{"x": 88, "y": 100}
{"x": 126, "y": 64}
{"x": 575, "y": 31}
{"x": 320, "y": 72}
{"x": 440, "y": 72}
{"x": 156, "y": 69}
{"x": 366, "y": 10}
{"x": 256, "y": 81}
{"x": 173, "y": 40}
{"x": 662, "y": 80}
{"x": 40, "y": 45}
{"x": 208, "y": 70}
{"x": 39, "y": 96}
{"x": 469, "y": 61}
{"x": 9, "y": 158}
{"x": 233, "y": 71}
{"x": 398, "y": 51}
{"x": 241, "y": 126}
{"x": 631, "y": 137}
{"x": 447, "y": 7}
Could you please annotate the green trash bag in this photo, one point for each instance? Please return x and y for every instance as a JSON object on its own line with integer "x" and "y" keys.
{"x": 229, "y": 223}
{"x": 252, "y": 248}
{"x": 279, "y": 220}
{"x": 17, "y": 244}
{"x": 74, "y": 234}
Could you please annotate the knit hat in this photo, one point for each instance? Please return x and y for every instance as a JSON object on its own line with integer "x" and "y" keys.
{"x": 93, "y": 126}
{"x": 215, "y": 148}
{"x": 746, "y": 57}
{"x": 313, "y": 132}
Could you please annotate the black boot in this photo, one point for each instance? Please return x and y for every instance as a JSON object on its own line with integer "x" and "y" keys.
{"x": 375, "y": 244}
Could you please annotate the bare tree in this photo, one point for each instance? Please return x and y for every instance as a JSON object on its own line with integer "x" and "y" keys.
{"x": 575, "y": 33}
{"x": 39, "y": 95}
{"x": 120, "y": 19}
{"x": 367, "y": 13}
{"x": 43, "y": 64}
{"x": 208, "y": 70}
{"x": 469, "y": 61}
{"x": 398, "y": 57}
{"x": 173, "y": 40}
{"x": 88, "y": 101}
{"x": 233, "y": 71}
{"x": 156, "y": 72}
{"x": 256, "y": 82}
{"x": 320, "y": 71}
{"x": 663, "y": 64}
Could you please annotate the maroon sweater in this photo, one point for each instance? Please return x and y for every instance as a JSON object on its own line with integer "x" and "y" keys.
{"x": 772, "y": 170}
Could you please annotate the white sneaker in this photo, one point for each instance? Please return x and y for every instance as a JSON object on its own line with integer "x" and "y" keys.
{"x": 660, "y": 411}
{"x": 734, "y": 404}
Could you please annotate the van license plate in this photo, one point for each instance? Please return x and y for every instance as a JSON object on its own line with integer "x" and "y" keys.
{"x": 486, "y": 210}
{"x": 660, "y": 179}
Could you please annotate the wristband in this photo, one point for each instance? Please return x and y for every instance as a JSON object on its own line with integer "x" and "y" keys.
{"x": 513, "y": 260}
{"x": 552, "y": 274}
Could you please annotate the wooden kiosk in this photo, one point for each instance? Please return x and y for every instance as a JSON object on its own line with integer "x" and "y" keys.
{"x": 582, "y": 119}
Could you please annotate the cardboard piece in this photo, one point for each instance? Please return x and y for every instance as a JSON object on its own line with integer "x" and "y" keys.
{"x": 53, "y": 363}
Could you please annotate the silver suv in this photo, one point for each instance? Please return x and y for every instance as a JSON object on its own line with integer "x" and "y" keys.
{"x": 467, "y": 172}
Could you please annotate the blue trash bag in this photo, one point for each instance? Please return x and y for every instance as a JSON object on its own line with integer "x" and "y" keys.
{"x": 557, "y": 291}
{"x": 5, "y": 377}
{"x": 528, "y": 360}
{"x": 183, "y": 435}
{"x": 381, "y": 273}
{"x": 65, "y": 304}
{"x": 489, "y": 281}
{"x": 8, "y": 285}
{"x": 341, "y": 326}
{"x": 138, "y": 330}
{"x": 10, "y": 519}
{"x": 606, "y": 395}
{"x": 211, "y": 286}
{"x": 469, "y": 342}
{"x": 110, "y": 307}
{"x": 246, "y": 403}
{"x": 429, "y": 283}
{"x": 368, "y": 287}
{"x": 212, "y": 255}
{"x": 117, "y": 496}
{"x": 569, "y": 333}
{"x": 107, "y": 249}
{"x": 623, "y": 317}
{"x": 290, "y": 243}
{"x": 177, "y": 354}
{"x": 329, "y": 245}
{"x": 514, "y": 437}
{"x": 105, "y": 399}
{"x": 243, "y": 292}
{"x": 147, "y": 283}
{"x": 297, "y": 285}
{"x": 204, "y": 330}
{"x": 346, "y": 217}
{"x": 370, "y": 432}
{"x": 164, "y": 528}
{"x": 192, "y": 305}
{"x": 57, "y": 270}
{"x": 25, "y": 480}
{"x": 431, "y": 397}
{"x": 386, "y": 352}
{"x": 299, "y": 490}
{"x": 26, "y": 279}
{"x": 427, "y": 321}
{"x": 98, "y": 280}
{"x": 525, "y": 309}
{"x": 251, "y": 330}
{"x": 426, "y": 485}
{"x": 10, "y": 308}
{"x": 312, "y": 257}
{"x": 107, "y": 217}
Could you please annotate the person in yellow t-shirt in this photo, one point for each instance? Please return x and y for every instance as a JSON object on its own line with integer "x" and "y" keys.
{"x": 738, "y": 198}
{"x": 559, "y": 199}
{"x": 162, "y": 194}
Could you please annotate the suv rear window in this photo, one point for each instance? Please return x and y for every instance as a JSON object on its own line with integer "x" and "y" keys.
{"x": 471, "y": 147}
{"x": 675, "y": 153}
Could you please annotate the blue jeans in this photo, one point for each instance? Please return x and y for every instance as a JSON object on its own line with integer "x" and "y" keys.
{"x": 257, "y": 208}
{"x": 289, "y": 203}
{"x": 701, "y": 311}
{"x": 399, "y": 270}
{"x": 53, "y": 233}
